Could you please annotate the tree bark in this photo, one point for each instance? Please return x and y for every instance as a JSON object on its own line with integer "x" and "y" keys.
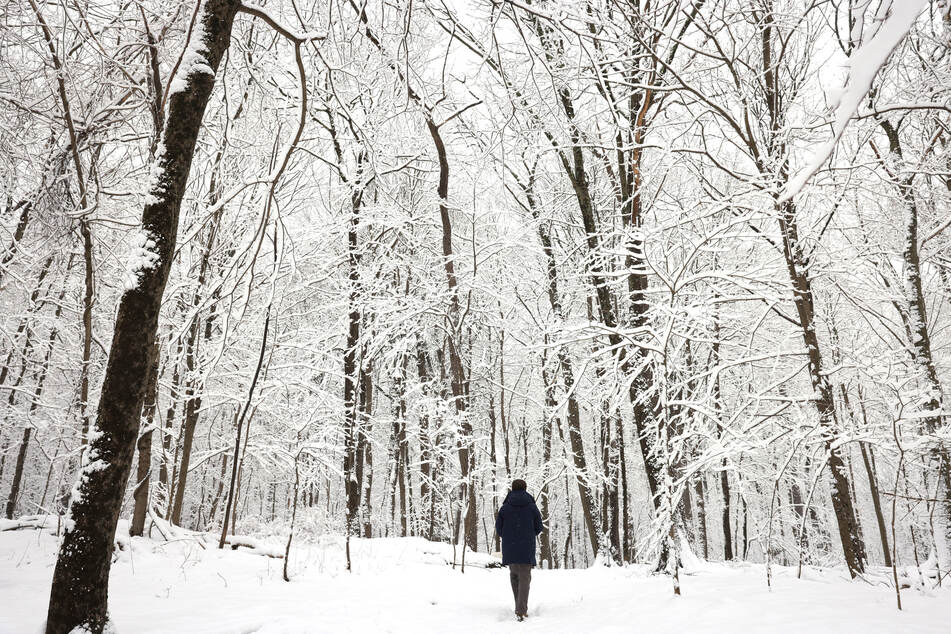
{"x": 79, "y": 594}
{"x": 144, "y": 446}
{"x": 797, "y": 265}
{"x": 573, "y": 411}
{"x": 920, "y": 349}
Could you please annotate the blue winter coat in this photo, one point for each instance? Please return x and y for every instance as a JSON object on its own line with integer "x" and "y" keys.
{"x": 518, "y": 523}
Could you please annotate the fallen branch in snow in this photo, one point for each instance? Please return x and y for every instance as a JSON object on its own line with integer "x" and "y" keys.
{"x": 254, "y": 546}
{"x": 164, "y": 529}
{"x": 24, "y": 523}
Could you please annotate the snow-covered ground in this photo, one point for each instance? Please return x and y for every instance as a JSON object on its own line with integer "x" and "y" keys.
{"x": 405, "y": 585}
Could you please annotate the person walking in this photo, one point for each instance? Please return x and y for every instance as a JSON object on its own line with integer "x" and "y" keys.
{"x": 518, "y": 524}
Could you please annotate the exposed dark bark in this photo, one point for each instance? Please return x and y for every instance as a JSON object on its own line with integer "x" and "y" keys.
{"x": 24, "y": 207}
{"x": 457, "y": 371}
{"x": 547, "y": 560}
{"x": 727, "y": 532}
{"x": 425, "y": 453}
{"x": 364, "y": 448}
{"x": 194, "y": 388}
{"x": 79, "y": 594}
{"x": 18, "y": 472}
{"x": 165, "y": 479}
{"x": 852, "y": 546}
{"x": 353, "y": 481}
{"x": 700, "y": 495}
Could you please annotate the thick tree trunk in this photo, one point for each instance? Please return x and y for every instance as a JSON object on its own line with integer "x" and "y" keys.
{"x": 79, "y": 594}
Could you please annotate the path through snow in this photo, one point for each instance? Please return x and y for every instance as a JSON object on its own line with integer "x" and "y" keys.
{"x": 404, "y": 585}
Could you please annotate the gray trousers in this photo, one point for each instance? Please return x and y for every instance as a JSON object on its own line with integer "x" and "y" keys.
{"x": 521, "y": 577}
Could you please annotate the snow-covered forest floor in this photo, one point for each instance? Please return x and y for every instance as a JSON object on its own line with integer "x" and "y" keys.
{"x": 407, "y": 585}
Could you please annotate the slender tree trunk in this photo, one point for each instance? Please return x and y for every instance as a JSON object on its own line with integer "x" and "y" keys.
{"x": 352, "y": 473}
{"x": 457, "y": 371}
{"x": 18, "y": 472}
{"x": 920, "y": 349}
{"x": 724, "y": 474}
{"x": 700, "y": 494}
{"x": 144, "y": 446}
{"x": 231, "y": 510}
{"x": 364, "y": 447}
{"x": 797, "y": 263}
{"x": 425, "y": 455}
{"x": 868, "y": 460}
{"x": 165, "y": 478}
{"x": 221, "y": 482}
{"x": 34, "y": 406}
{"x": 573, "y": 411}
{"x": 550, "y": 406}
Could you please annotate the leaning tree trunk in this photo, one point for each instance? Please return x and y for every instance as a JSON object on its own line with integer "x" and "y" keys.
{"x": 79, "y": 594}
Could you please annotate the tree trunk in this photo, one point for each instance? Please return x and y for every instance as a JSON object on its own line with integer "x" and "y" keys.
{"x": 231, "y": 506}
{"x": 457, "y": 371}
{"x": 165, "y": 479}
{"x": 425, "y": 455}
{"x": 353, "y": 475}
{"x": 79, "y": 594}
{"x": 550, "y": 406}
{"x": 920, "y": 349}
{"x": 798, "y": 268}
{"x": 364, "y": 447}
{"x": 18, "y": 472}
{"x": 852, "y": 546}
{"x": 144, "y": 446}
{"x": 34, "y": 405}
{"x": 576, "y": 442}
